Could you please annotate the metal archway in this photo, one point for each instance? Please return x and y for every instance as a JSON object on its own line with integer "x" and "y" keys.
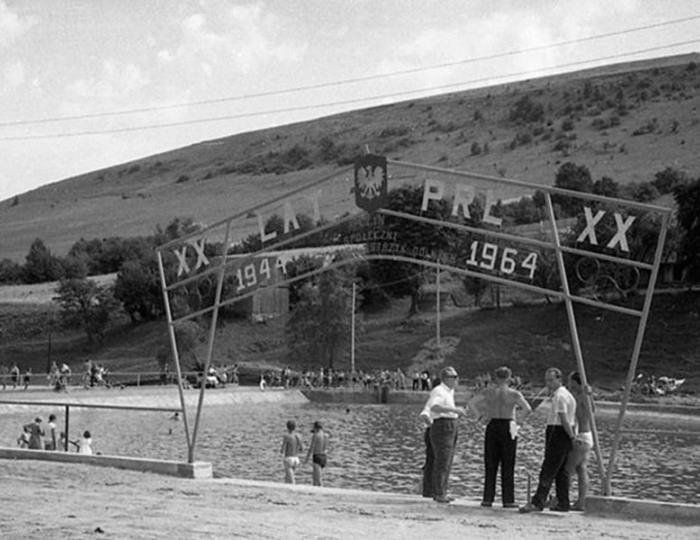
{"x": 508, "y": 257}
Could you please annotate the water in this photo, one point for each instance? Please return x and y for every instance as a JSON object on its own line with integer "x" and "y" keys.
{"x": 380, "y": 447}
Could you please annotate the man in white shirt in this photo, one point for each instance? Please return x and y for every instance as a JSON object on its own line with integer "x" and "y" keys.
{"x": 443, "y": 415}
{"x": 560, "y": 434}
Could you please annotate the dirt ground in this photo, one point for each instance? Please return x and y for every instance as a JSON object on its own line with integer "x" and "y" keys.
{"x": 51, "y": 500}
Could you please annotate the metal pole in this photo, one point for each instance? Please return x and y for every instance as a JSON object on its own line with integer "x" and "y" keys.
{"x": 637, "y": 349}
{"x": 352, "y": 333}
{"x": 65, "y": 442}
{"x": 173, "y": 345}
{"x": 437, "y": 308}
{"x": 574, "y": 332}
{"x": 210, "y": 344}
{"x": 48, "y": 351}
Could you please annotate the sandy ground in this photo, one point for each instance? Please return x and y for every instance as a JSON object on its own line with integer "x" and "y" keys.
{"x": 50, "y": 500}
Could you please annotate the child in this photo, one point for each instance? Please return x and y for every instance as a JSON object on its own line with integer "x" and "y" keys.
{"x": 291, "y": 448}
{"x": 84, "y": 445}
{"x": 23, "y": 440}
{"x": 51, "y": 443}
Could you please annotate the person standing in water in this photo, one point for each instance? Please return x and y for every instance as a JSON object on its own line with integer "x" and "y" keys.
{"x": 291, "y": 448}
{"x": 317, "y": 450}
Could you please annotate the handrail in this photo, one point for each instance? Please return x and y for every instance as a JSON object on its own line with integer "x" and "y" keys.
{"x": 68, "y": 405}
{"x": 86, "y": 405}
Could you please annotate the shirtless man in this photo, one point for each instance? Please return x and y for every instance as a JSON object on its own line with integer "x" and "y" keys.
{"x": 498, "y": 404}
{"x": 583, "y": 442}
{"x": 317, "y": 449}
{"x": 291, "y": 448}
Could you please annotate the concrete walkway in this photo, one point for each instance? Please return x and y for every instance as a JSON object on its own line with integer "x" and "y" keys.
{"x": 42, "y": 500}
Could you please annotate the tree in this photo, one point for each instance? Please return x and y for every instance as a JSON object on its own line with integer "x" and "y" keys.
{"x": 574, "y": 178}
{"x": 667, "y": 180}
{"x": 607, "y": 187}
{"x": 475, "y": 287}
{"x": 41, "y": 266}
{"x": 138, "y": 289}
{"x": 526, "y": 110}
{"x": 687, "y": 196}
{"x": 400, "y": 279}
{"x": 10, "y": 271}
{"x": 319, "y": 325}
{"x": 87, "y": 305}
{"x": 304, "y": 264}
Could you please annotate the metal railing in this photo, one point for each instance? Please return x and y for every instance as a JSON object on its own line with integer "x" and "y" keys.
{"x": 68, "y": 405}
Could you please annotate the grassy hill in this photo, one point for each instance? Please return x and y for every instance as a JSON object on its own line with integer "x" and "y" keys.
{"x": 626, "y": 121}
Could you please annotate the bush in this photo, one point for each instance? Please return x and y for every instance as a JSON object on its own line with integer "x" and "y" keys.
{"x": 526, "y": 110}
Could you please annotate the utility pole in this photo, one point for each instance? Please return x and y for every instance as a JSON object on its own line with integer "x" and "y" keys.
{"x": 437, "y": 308}
{"x": 352, "y": 333}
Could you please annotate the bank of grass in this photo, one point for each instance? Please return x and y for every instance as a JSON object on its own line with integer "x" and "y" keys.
{"x": 529, "y": 338}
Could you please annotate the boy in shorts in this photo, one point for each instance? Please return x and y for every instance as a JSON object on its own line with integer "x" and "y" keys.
{"x": 291, "y": 448}
{"x": 317, "y": 449}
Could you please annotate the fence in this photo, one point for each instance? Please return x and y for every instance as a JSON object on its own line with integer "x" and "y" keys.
{"x": 68, "y": 405}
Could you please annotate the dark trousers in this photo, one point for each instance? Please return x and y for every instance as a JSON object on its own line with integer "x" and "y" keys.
{"x": 499, "y": 449}
{"x": 557, "y": 448}
{"x": 443, "y": 439}
{"x": 428, "y": 466}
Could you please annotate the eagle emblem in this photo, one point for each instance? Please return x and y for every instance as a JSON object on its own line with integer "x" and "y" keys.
{"x": 371, "y": 182}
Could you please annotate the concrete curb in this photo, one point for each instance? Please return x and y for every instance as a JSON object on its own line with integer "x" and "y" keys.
{"x": 643, "y": 509}
{"x": 196, "y": 470}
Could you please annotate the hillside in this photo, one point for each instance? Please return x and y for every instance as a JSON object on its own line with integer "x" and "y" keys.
{"x": 626, "y": 121}
{"x": 528, "y": 337}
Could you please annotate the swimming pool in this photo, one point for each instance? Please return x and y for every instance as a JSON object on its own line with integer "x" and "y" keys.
{"x": 380, "y": 447}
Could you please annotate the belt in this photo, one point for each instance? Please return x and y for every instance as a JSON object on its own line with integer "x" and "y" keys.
{"x": 444, "y": 418}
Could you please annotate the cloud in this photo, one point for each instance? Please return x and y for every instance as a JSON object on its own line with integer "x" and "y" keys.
{"x": 14, "y": 74}
{"x": 12, "y": 25}
{"x": 117, "y": 80}
{"x": 242, "y": 39}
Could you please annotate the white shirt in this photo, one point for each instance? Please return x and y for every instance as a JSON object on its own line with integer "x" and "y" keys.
{"x": 562, "y": 401}
{"x": 444, "y": 396}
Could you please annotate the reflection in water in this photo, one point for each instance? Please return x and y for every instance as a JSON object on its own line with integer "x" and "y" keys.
{"x": 380, "y": 447}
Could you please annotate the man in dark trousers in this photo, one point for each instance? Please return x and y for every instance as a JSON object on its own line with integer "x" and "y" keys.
{"x": 561, "y": 418}
{"x": 443, "y": 431}
{"x": 498, "y": 404}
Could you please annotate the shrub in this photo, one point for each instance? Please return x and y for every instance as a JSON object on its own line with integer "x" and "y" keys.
{"x": 526, "y": 110}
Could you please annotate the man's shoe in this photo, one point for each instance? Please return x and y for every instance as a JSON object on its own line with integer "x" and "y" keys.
{"x": 442, "y": 500}
{"x": 510, "y": 505}
{"x": 577, "y": 508}
{"x": 528, "y": 508}
{"x": 559, "y": 509}
{"x": 486, "y": 504}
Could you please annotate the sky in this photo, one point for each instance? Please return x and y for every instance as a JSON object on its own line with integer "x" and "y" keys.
{"x": 88, "y": 84}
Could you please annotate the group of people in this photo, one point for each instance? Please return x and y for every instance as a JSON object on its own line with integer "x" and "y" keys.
{"x": 35, "y": 437}
{"x": 293, "y": 448}
{"x": 15, "y": 376}
{"x": 504, "y": 409}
